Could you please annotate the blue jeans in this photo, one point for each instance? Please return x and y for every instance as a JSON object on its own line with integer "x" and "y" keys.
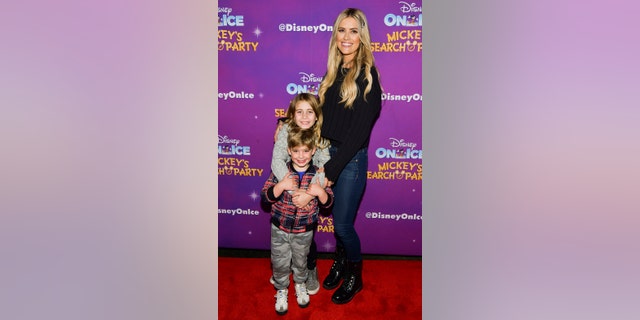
{"x": 348, "y": 191}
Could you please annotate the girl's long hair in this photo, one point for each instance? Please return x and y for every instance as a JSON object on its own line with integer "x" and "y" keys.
{"x": 363, "y": 60}
{"x": 312, "y": 100}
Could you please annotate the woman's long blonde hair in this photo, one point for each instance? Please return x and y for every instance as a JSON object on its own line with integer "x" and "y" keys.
{"x": 363, "y": 58}
{"x": 315, "y": 105}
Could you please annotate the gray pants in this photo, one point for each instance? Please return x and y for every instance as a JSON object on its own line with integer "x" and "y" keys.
{"x": 289, "y": 252}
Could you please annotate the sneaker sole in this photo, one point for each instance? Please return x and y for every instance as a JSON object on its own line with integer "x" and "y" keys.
{"x": 312, "y": 292}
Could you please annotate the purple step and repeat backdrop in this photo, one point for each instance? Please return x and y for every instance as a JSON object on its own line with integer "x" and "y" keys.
{"x": 270, "y": 51}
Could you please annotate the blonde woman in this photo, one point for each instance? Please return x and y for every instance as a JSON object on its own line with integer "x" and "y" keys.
{"x": 351, "y": 98}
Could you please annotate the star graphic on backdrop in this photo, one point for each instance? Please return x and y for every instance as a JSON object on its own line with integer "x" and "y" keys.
{"x": 327, "y": 246}
{"x": 261, "y": 95}
{"x": 254, "y": 196}
{"x": 257, "y": 32}
{"x": 250, "y": 232}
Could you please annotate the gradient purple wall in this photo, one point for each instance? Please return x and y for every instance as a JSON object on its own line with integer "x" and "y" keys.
{"x": 108, "y": 170}
{"x": 267, "y": 54}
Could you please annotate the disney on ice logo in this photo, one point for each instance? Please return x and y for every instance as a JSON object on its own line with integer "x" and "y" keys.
{"x": 400, "y": 149}
{"x": 411, "y": 17}
{"x": 407, "y": 40}
{"x": 229, "y": 40}
{"x": 401, "y": 169}
{"x": 230, "y": 165}
{"x": 228, "y": 146}
{"x": 226, "y": 139}
{"x": 309, "y": 77}
{"x": 310, "y": 83}
{"x": 400, "y": 143}
{"x": 228, "y": 20}
{"x": 409, "y": 7}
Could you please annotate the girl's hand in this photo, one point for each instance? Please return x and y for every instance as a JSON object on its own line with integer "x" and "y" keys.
{"x": 301, "y": 198}
{"x": 288, "y": 183}
{"x": 278, "y": 128}
{"x": 315, "y": 189}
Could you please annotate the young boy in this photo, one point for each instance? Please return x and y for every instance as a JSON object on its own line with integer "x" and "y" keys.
{"x": 292, "y": 227}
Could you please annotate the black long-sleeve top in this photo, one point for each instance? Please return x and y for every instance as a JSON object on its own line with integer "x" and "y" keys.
{"x": 349, "y": 129}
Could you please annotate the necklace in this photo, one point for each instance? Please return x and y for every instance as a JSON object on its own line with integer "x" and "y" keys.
{"x": 345, "y": 67}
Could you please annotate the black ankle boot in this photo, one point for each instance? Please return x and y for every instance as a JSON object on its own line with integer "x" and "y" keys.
{"x": 337, "y": 270}
{"x": 351, "y": 285}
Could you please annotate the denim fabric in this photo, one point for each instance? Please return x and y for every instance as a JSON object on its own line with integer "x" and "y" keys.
{"x": 348, "y": 191}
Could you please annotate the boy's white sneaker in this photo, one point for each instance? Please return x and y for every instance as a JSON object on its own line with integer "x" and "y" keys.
{"x": 302, "y": 296}
{"x": 282, "y": 304}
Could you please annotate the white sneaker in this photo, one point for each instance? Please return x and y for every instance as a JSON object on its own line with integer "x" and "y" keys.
{"x": 302, "y": 296}
{"x": 282, "y": 304}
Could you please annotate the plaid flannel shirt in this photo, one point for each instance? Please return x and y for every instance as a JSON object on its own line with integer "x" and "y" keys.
{"x": 284, "y": 214}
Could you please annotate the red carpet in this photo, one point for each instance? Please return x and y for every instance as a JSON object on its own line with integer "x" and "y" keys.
{"x": 392, "y": 290}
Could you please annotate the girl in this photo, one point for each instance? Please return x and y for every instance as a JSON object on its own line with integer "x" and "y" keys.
{"x": 304, "y": 112}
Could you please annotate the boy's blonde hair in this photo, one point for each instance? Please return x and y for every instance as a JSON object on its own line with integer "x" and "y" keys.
{"x": 300, "y": 137}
